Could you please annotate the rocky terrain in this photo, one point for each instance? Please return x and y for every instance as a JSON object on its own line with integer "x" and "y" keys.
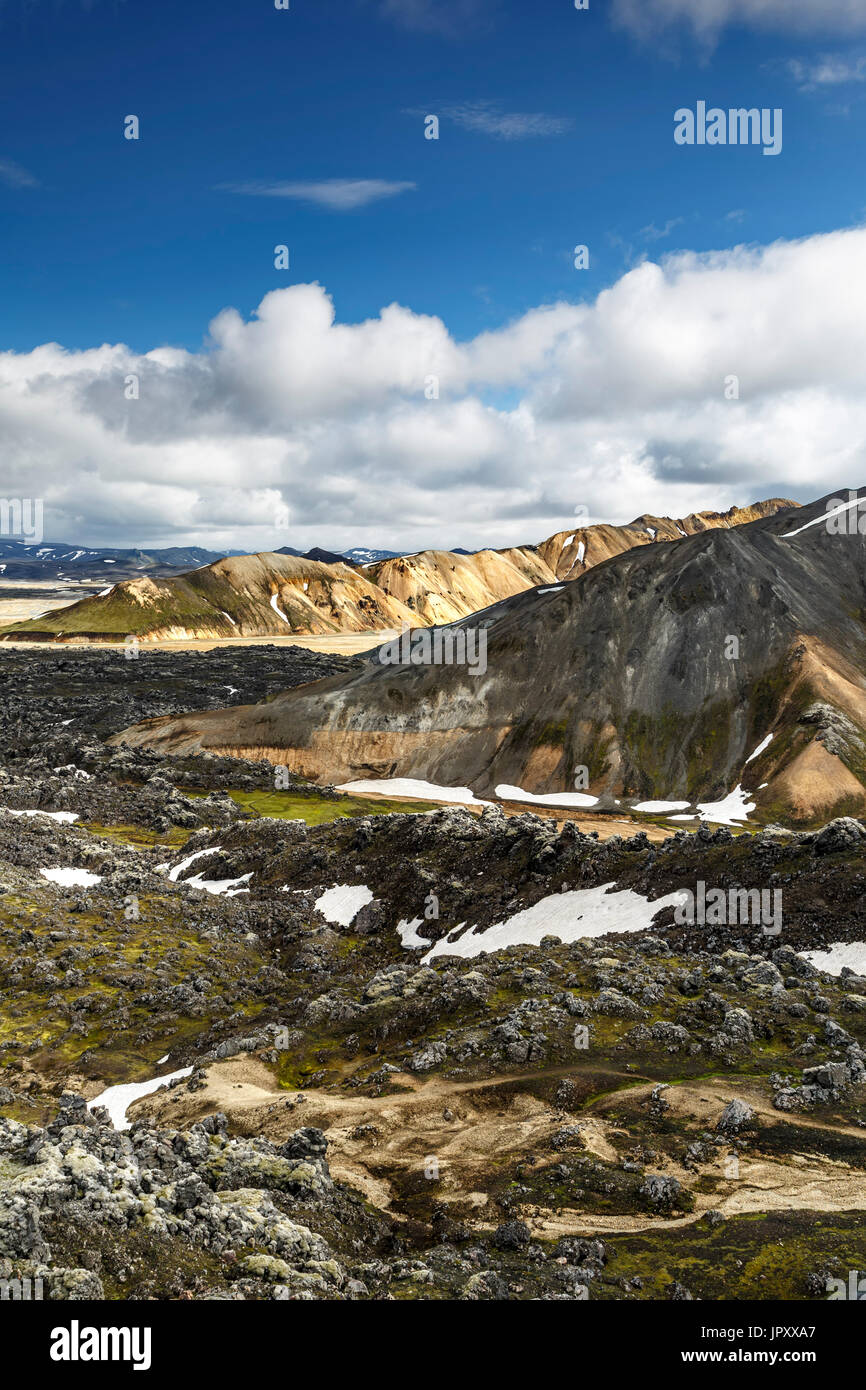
{"x": 415, "y": 1054}
{"x": 273, "y": 594}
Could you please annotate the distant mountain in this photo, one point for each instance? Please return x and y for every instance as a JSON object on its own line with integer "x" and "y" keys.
{"x": 735, "y": 655}
{"x": 241, "y": 596}
{"x": 261, "y": 595}
{"x": 59, "y": 560}
{"x": 360, "y": 556}
{"x": 326, "y": 557}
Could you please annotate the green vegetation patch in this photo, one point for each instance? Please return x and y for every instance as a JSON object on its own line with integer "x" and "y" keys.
{"x": 319, "y": 810}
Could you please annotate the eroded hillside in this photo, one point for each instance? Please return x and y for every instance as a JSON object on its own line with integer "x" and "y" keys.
{"x": 274, "y": 594}
{"x": 656, "y": 674}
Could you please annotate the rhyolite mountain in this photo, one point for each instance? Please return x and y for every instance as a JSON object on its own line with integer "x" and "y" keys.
{"x": 241, "y": 596}
{"x": 273, "y": 594}
{"x": 660, "y": 670}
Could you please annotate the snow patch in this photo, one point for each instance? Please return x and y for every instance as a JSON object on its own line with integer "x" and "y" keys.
{"x": 577, "y": 914}
{"x": 840, "y": 954}
{"x": 408, "y": 932}
{"x": 71, "y": 878}
{"x": 565, "y": 799}
{"x": 342, "y": 903}
{"x": 765, "y": 743}
{"x": 661, "y": 806}
{"x": 277, "y": 609}
{"x": 66, "y": 817}
{"x": 413, "y": 787}
{"x": 732, "y": 808}
{"x": 218, "y": 886}
{"x": 185, "y": 863}
{"x": 118, "y": 1099}
{"x": 210, "y": 885}
{"x": 821, "y": 520}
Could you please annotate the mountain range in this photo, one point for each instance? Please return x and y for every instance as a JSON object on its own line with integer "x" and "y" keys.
{"x": 276, "y": 593}
{"x": 62, "y": 561}
{"x": 731, "y": 656}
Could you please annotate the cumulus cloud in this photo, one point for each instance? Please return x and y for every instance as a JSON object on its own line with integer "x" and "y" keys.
{"x": 705, "y": 19}
{"x": 337, "y": 195}
{"x": 392, "y": 432}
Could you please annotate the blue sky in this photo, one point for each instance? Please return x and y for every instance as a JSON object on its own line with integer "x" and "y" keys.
{"x": 137, "y": 242}
{"x": 556, "y": 128}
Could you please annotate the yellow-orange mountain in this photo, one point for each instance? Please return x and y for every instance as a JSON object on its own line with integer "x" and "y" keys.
{"x": 274, "y": 594}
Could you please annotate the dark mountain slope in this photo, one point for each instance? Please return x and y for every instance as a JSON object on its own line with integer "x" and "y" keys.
{"x": 659, "y": 670}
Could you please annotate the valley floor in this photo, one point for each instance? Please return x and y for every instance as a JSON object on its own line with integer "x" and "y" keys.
{"x": 661, "y": 1112}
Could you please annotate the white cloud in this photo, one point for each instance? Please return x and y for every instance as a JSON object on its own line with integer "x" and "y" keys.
{"x": 16, "y": 177}
{"x": 654, "y": 233}
{"x": 487, "y": 118}
{"x": 706, "y": 19}
{"x": 337, "y": 195}
{"x": 828, "y": 70}
{"x": 617, "y": 405}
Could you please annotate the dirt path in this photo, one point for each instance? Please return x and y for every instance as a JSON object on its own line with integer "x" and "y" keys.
{"x": 379, "y": 1143}
{"x": 339, "y": 643}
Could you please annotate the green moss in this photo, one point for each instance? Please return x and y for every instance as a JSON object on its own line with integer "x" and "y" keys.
{"x": 553, "y": 734}
{"x": 758, "y": 1256}
{"x": 173, "y": 838}
{"x": 118, "y": 1048}
{"x": 318, "y": 810}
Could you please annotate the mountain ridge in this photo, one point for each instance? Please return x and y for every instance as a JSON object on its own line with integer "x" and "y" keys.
{"x": 234, "y": 597}
{"x": 659, "y": 671}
